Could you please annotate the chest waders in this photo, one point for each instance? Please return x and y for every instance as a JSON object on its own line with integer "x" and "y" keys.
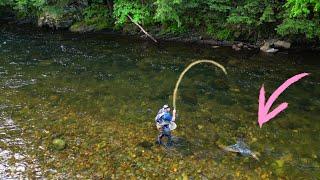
{"x": 165, "y": 132}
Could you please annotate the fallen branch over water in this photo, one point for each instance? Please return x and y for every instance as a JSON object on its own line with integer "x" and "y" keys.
{"x": 144, "y": 31}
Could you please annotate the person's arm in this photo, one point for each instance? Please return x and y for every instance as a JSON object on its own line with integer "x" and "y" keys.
{"x": 174, "y": 115}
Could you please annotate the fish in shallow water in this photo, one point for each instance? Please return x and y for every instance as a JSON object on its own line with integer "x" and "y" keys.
{"x": 240, "y": 147}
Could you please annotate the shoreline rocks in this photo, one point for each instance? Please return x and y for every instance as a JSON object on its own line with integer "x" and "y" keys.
{"x": 273, "y": 46}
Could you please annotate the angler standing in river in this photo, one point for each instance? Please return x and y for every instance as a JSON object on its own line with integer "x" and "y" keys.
{"x": 165, "y": 123}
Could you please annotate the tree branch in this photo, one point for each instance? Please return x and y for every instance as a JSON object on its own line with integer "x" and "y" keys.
{"x": 144, "y": 31}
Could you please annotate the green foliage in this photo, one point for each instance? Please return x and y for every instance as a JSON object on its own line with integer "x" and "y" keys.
{"x": 297, "y": 27}
{"x": 53, "y": 10}
{"x": 140, "y": 13}
{"x": 167, "y": 12}
{"x": 267, "y": 15}
{"x": 302, "y": 7}
{"x": 245, "y": 18}
{"x": 223, "y": 34}
{"x": 59, "y": 3}
{"x": 6, "y": 2}
{"x": 302, "y": 17}
{"x": 98, "y": 15}
{"x": 221, "y": 19}
{"x": 25, "y": 5}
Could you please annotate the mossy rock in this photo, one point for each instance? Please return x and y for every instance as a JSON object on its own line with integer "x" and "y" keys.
{"x": 58, "y": 144}
{"x": 55, "y": 17}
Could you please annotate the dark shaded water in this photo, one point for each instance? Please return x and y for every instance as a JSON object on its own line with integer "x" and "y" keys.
{"x": 100, "y": 93}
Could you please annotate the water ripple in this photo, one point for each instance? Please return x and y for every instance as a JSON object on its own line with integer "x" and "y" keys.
{"x": 15, "y": 165}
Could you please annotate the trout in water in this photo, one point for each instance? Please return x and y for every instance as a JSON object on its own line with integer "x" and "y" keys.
{"x": 240, "y": 147}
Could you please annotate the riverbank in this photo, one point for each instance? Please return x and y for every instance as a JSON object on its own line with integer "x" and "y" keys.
{"x": 188, "y": 38}
{"x": 99, "y": 93}
{"x": 270, "y": 27}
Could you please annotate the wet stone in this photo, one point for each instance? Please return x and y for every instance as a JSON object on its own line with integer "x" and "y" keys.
{"x": 58, "y": 144}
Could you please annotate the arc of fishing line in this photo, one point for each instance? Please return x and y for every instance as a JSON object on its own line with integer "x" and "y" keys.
{"x": 187, "y": 69}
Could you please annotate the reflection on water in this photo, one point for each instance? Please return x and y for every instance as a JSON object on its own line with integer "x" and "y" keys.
{"x": 100, "y": 92}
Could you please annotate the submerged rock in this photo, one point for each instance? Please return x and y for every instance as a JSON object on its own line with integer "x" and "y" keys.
{"x": 279, "y": 164}
{"x": 58, "y": 144}
{"x": 189, "y": 97}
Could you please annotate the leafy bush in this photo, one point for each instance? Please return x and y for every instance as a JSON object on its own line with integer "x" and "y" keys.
{"x": 302, "y": 17}
{"x": 27, "y": 6}
{"x": 140, "y": 13}
{"x": 167, "y": 12}
{"x": 98, "y": 15}
{"x": 221, "y": 19}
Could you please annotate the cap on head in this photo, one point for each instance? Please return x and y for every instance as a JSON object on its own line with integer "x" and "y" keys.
{"x": 165, "y": 106}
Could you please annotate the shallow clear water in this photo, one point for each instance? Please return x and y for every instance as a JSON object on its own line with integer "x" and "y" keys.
{"x": 101, "y": 92}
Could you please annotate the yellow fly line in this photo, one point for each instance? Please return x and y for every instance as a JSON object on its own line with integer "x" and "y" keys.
{"x": 187, "y": 69}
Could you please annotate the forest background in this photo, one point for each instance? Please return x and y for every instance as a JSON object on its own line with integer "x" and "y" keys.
{"x": 232, "y": 20}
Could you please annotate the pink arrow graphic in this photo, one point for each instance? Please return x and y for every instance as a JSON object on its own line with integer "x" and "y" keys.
{"x": 263, "y": 115}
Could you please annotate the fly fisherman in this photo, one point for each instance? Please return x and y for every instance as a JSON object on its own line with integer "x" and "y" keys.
{"x": 165, "y": 123}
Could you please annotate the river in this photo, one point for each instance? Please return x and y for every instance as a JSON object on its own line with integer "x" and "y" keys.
{"x": 100, "y": 92}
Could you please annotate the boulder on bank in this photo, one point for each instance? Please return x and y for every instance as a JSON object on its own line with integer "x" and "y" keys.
{"x": 271, "y": 46}
{"x": 236, "y": 47}
{"x": 55, "y": 20}
{"x": 282, "y": 44}
{"x": 265, "y": 47}
{"x": 62, "y": 16}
